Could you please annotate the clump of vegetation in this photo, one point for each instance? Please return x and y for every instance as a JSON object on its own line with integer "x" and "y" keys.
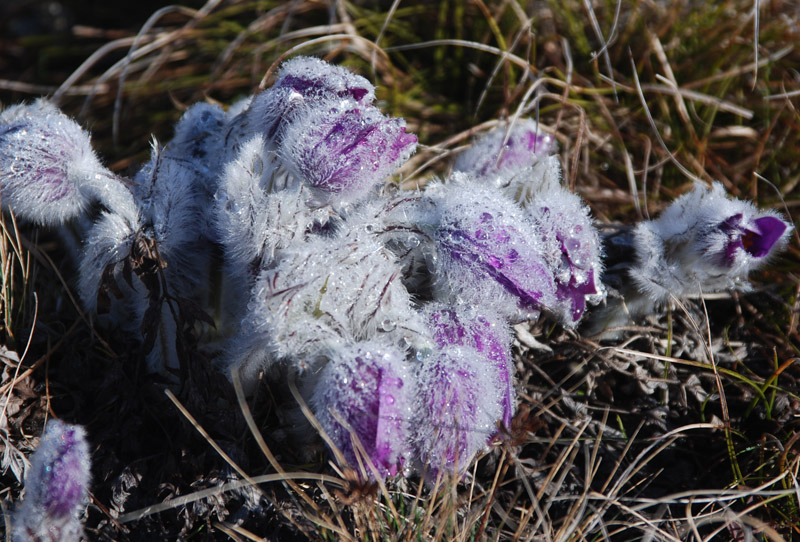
{"x": 678, "y": 423}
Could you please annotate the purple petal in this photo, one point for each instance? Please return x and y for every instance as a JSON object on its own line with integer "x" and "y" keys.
{"x": 367, "y": 387}
{"x": 770, "y": 230}
{"x": 489, "y": 336}
{"x": 341, "y": 148}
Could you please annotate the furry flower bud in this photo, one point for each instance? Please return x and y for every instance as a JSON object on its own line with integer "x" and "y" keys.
{"x": 505, "y": 149}
{"x": 343, "y": 149}
{"x": 56, "y": 489}
{"x": 367, "y": 386}
{"x": 49, "y": 172}
{"x": 459, "y": 403}
{"x": 486, "y": 253}
{"x": 704, "y": 240}
{"x": 488, "y": 335}
{"x": 571, "y": 247}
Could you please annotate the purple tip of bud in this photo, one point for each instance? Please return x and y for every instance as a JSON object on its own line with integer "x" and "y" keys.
{"x": 367, "y": 387}
{"x": 489, "y": 337}
{"x": 503, "y": 150}
{"x": 61, "y": 470}
{"x": 756, "y": 238}
{"x": 316, "y": 79}
{"x": 571, "y": 246}
{"x": 502, "y": 252}
{"x": 344, "y": 149}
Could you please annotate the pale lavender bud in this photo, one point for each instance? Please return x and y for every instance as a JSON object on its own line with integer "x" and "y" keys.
{"x": 56, "y": 488}
{"x": 343, "y": 149}
{"x": 368, "y": 386}
{"x": 486, "y": 253}
{"x": 458, "y": 406}
{"x": 571, "y": 247}
{"x": 49, "y": 172}
{"x": 488, "y": 335}
{"x": 506, "y": 148}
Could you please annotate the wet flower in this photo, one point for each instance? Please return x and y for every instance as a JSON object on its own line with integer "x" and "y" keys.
{"x": 343, "y": 149}
{"x": 572, "y": 249}
{"x": 49, "y": 172}
{"x": 488, "y": 335}
{"x": 56, "y": 488}
{"x": 704, "y": 241}
{"x": 506, "y": 148}
{"x": 457, "y": 409}
{"x": 368, "y": 387}
{"x": 485, "y": 251}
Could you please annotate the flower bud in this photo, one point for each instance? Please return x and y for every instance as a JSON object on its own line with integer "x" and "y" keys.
{"x": 56, "y": 488}
{"x": 506, "y": 149}
{"x": 343, "y": 149}
{"x": 49, "y": 172}
{"x": 368, "y": 387}
{"x": 571, "y": 247}
{"x": 487, "y": 254}
{"x": 459, "y": 403}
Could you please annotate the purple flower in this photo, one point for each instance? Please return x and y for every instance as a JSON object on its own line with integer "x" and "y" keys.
{"x": 368, "y": 387}
{"x": 459, "y": 403}
{"x": 571, "y": 247}
{"x": 44, "y": 156}
{"x": 56, "y": 488}
{"x": 489, "y": 336}
{"x": 704, "y": 242}
{"x": 485, "y": 249}
{"x": 503, "y": 150}
{"x": 344, "y": 149}
{"x": 302, "y": 82}
{"x": 755, "y": 236}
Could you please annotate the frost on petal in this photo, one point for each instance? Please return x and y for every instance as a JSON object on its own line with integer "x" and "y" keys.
{"x": 56, "y": 488}
{"x": 572, "y": 249}
{"x": 486, "y": 252}
{"x": 506, "y": 151}
{"x": 49, "y": 172}
{"x": 343, "y": 149}
{"x": 314, "y": 78}
{"x": 302, "y": 82}
{"x": 369, "y": 387}
{"x": 459, "y": 403}
{"x": 346, "y": 287}
{"x": 488, "y": 335}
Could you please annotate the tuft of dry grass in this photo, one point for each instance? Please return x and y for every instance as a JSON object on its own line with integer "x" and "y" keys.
{"x": 686, "y": 429}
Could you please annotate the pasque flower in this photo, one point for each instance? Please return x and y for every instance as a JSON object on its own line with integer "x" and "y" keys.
{"x": 571, "y": 247}
{"x": 489, "y": 336}
{"x": 343, "y": 149}
{"x": 704, "y": 242}
{"x": 506, "y": 148}
{"x": 49, "y": 172}
{"x": 458, "y": 406}
{"x": 363, "y": 395}
{"x": 56, "y": 488}
{"x": 485, "y": 251}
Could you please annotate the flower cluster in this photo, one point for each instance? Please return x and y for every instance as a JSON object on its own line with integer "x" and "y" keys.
{"x": 56, "y": 488}
{"x": 392, "y": 308}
